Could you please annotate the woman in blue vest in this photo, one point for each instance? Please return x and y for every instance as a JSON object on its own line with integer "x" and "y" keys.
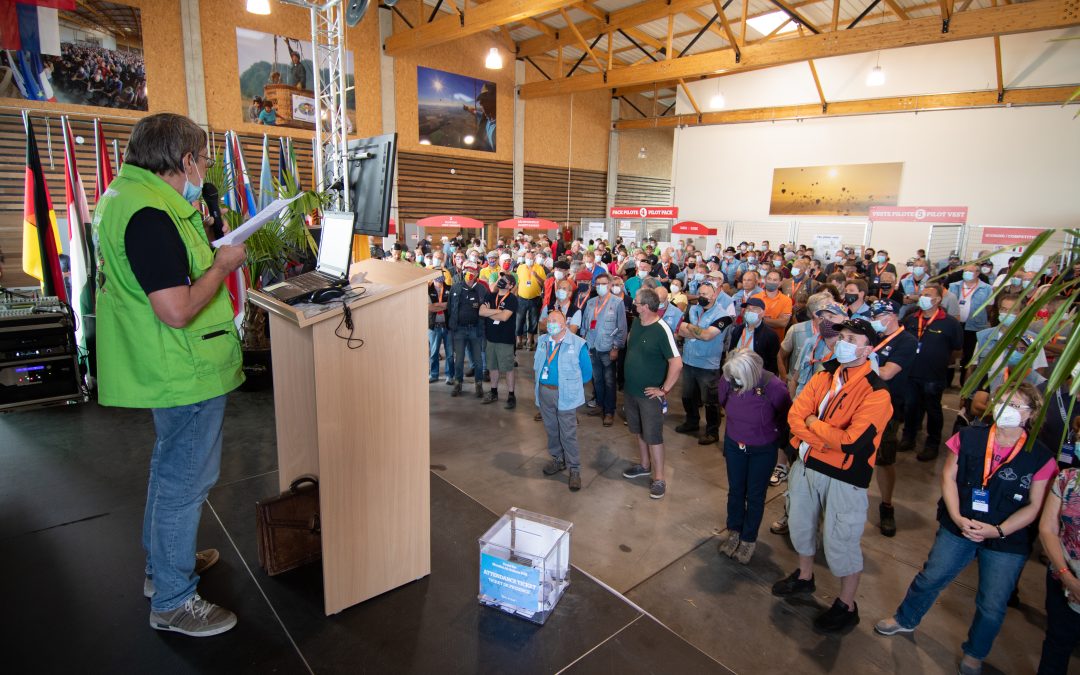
{"x": 992, "y": 490}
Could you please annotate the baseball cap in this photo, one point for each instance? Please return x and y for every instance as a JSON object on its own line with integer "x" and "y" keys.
{"x": 879, "y": 308}
{"x": 714, "y": 259}
{"x": 860, "y": 326}
{"x": 833, "y": 308}
{"x": 715, "y": 274}
{"x": 470, "y": 265}
{"x": 755, "y": 302}
{"x": 562, "y": 265}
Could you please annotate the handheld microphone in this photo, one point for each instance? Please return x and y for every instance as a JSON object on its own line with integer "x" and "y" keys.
{"x": 210, "y": 196}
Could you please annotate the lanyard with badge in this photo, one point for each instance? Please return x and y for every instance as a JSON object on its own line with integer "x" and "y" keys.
{"x": 923, "y": 326}
{"x": 552, "y": 351}
{"x": 1068, "y": 448}
{"x": 965, "y": 294}
{"x": 887, "y": 340}
{"x": 980, "y": 497}
{"x": 596, "y": 312}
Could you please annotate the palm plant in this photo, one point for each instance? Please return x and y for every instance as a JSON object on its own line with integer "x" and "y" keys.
{"x": 1055, "y": 301}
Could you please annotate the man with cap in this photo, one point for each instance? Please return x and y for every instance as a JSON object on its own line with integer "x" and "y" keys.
{"x": 466, "y": 327}
{"x": 489, "y": 276}
{"x": 703, "y": 351}
{"x": 730, "y": 266}
{"x": 836, "y": 426}
{"x": 895, "y": 357}
{"x": 752, "y": 333}
{"x": 559, "y": 271}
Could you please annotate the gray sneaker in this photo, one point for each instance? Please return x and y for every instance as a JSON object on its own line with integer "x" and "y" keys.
{"x": 744, "y": 552}
{"x": 196, "y": 618}
{"x": 658, "y": 489}
{"x": 204, "y": 560}
{"x": 727, "y": 546}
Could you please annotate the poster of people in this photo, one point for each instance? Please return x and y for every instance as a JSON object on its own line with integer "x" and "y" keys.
{"x": 455, "y": 111}
{"x": 86, "y": 56}
{"x": 836, "y": 190}
{"x": 277, "y": 83}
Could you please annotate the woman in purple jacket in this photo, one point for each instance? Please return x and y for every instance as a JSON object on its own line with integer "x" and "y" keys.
{"x": 756, "y": 403}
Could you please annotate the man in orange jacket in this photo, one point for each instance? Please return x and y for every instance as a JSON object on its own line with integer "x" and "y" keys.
{"x": 836, "y": 424}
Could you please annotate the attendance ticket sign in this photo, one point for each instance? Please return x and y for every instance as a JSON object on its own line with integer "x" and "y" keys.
{"x": 510, "y": 583}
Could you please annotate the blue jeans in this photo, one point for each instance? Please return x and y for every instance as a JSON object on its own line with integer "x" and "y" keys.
{"x": 470, "y": 338}
{"x": 603, "y": 380}
{"x": 748, "y": 479}
{"x": 183, "y": 468}
{"x": 439, "y": 336}
{"x": 949, "y": 556}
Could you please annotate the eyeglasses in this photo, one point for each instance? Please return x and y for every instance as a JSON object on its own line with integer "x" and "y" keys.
{"x": 210, "y": 161}
{"x": 1017, "y": 406}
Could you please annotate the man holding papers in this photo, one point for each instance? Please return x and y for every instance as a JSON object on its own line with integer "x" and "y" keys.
{"x": 166, "y": 341}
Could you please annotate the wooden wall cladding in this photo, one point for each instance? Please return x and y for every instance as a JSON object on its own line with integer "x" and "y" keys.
{"x": 643, "y": 191}
{"x": 435, "y": 185}
{"x": 546, "y": 193}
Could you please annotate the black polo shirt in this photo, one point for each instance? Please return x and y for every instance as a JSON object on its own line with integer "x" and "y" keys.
{"x": 901, "y": 351}
{"x": 933, "y": 352}
{"x": 501, "y": 332}
{"x": 1058, "y": 405}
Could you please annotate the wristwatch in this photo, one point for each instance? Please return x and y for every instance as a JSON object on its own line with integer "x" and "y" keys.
{"x": 1001, "y": 533}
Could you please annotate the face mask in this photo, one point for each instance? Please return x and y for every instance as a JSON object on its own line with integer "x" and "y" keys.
{"x": 703, "y": 301}
{"x": 926, "y": 303}
{"x": 474, "y": 258}
{"x": 826, "y": 330}
{"x": 553, "y": 328}
{"x": 562, "y": 294}
{"x": 192, "y": 192}
{"x": 881, "y": 259}
{"x": 851, "y": 298}
{"x": 675, "y": 288}
{"x": 642, "y": 274}
{"x": 752, "y": 259}
{"x": 845, "y": 352}
{"x": 621, "y": 257}
{"x": 1006, "y": 416}
{"x": 502, "y": 284}
{"x": 877, "y": 325}
{"x": 751, "y": 318}
{"x": 1015, "y": 358}
{"x": 887, "y": 286}
{"x": 1015, "y": 281}
{"x": 427, "y": 262}
{"x": 777, "y": 263}
{"x": 661, "y": 307}
{"x": 529, "y": 261}
{"x": 729, "y": 256}
{"x": 918, "y": 270}
{"x": 738, "y": 382}
{"x": 771, "y": 286}
{"x": 699, "y": 276}
{"x": 969, "y": 276}
{"x": 437, "y": 263}
{"x": 559, "y": 275}
{"x": 617, "y": 290}
{"x": 1008, "y": 319}
{"x": 588, "y": 265}
{"x": 796, "y": 271}
{"x": 867, "y": 256}
{"x": 987, "y": 270}
{"x": 470, "y": 277}
{"x": 601, "y": 290}
{"x": 521, "y": 259}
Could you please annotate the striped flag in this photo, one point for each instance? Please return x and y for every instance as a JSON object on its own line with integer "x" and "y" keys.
{"x": 104, "y": 164}
{"x": 266, "y": 177}
{"x": 294, "y": 167}
{"x": 236, "y": 200}
{"x": 282, "y": 164}
{"x": 41, "y": 237}
{"x": 80, "y": 248}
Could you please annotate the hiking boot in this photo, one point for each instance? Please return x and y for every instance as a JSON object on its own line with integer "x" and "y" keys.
{"x": 657, "y": 490}
{"x": 204, "y": 560}
{"x": 490, "y": 397}
{"x": 888, "y": 520}
{"x": 636, "y": 471}
{"x": 686, "y": 428}
{"x": 927, "y": 454}
{"x": 196, "y": 617}
{"x": 890, "y": 627}
{"x": 575, "y": 480}
{"x": 744, "y": 552}
{"x": 707, "y": 439}
{"x": 793, "y": 585}
{"x": 837, "y": 618}
{"x": 479, "y": 390}
{"x": 727, "y": 547}
{"x": 779, "y": 474}
{"x": 609, "y": 420}
{"x": 554, "y": 466}
{"x": 538, "y": 417}
{"x": 511, "y": 401}
{"x": 456, "y": 391}
{"x": 779, "y": 526}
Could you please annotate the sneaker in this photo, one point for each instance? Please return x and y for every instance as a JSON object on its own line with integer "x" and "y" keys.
{"x": 686, "y": 428}
{"x": 658, "y": 489}
{"x": 779, "y": 475}
{"x": 196, "y": 617}
{"x": 793, "y": 585}
{"x": 707, "y": 439}
{"x": 433, "y": 379}
{"x": 204, "y": 560}
{"x": 727, "y": 546}
{"x": 511, "y": 401}
{"x": 490, "y": 397}
{"x": 779, "y": 526}
{"x": 888, "y": 520}
{"x": 609, "y": 420}
{"x": 554, "y": 466}
{"x": 538, "y": 417}
{"x": 450, "y": 380}
{"x": 744, "y": 552}
{"x": 575, "y": 480}
{"x": 965, "y": 669}
{"x": 927, "y": 454}
{"x": 890, "y": 627}
{"x": 591, "y": 403}
{"x": 456, "y": 391}
{"x": 837, "y": 618}
{"x": 637, "y": 471}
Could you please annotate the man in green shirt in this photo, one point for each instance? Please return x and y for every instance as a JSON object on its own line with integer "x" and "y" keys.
{"x": 167, "y": 342}
{"x": 652, "y": 369}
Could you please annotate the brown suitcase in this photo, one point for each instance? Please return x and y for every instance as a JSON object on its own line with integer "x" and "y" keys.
{"x": 288, "y": 527}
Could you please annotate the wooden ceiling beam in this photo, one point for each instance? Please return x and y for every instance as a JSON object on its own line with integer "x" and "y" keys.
{"x": 581, "y": 40}
{"x": 478, "y": 19}
{"x": 897, "y": 10}
{"x": 726, "y": 24}
{"x": 1031, "y": 16}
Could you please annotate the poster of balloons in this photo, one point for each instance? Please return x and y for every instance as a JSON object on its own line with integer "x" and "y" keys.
{"x": 834, "y": 190}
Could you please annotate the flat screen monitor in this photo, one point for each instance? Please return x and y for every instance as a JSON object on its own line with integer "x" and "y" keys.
{"x": 371, "y": 182}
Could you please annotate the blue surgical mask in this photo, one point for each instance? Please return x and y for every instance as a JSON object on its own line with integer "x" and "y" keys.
{"x": 877, "y": 325}
{"x": 1008, "y": 319}
{"x": 881, "y": 259}
{"x": 699, "y": 276}
{"x": 969, "y": 276}
{"x": 926, "y": 303}
{"x": 561, "y": 294}
{"x": 553, "y": 328}
{"x": 751, "y": 259}
{"x": 642, "y": 274}
{"x": 845, "y": 352}
{"x": 918, "y": 270}
{"x": 601, "y": 290}
{"x": 192, "y": 192}
{"x": 796, "y": 271}
{"x": 1016, "y": 281}
{"x": 1015, "y": 357}
{"x": 751, "y": 318}
{"x": 777, "y": 263}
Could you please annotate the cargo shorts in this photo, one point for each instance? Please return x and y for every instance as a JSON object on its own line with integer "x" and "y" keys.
{"x": 812, "y": 494}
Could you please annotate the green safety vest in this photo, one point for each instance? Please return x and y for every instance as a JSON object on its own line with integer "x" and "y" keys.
{"x": 142, "y": 362}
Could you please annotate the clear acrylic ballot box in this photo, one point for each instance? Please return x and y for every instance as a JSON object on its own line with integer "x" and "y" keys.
{"x": 525, "y": 564}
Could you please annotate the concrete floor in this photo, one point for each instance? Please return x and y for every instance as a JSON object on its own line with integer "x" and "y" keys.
{"x": 662, "y": 553}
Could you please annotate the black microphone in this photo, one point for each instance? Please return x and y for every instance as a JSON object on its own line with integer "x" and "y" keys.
{"x": 210, "y": 196}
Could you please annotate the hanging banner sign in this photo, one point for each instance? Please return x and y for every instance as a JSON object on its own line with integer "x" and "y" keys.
{"x": 691, "y": 227}
{"x": 449, "y": 221}
{"x": 1009, "y": 236}
{"x": 919, "y": 214}
{"x": 671, "y": 212}
{"x": 528, "y": 224}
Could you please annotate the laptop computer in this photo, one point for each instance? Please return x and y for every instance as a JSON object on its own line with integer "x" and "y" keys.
{"x": 332, "y": 267}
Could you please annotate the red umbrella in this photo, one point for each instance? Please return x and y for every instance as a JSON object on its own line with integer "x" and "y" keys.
{"x": 691, "y": 227}
{"x": 528, "y": 224}
{"x": 450, "y": 221}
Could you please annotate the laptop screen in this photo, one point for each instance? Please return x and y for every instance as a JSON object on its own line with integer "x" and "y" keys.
{"x": 335, "y": 245}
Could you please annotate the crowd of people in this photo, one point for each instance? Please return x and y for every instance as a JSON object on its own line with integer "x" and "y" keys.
{"x": 825, "y": 366}
{"x": 93, "y": 75}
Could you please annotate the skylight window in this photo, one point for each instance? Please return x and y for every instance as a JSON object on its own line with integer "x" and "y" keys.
{"x": 767, "y": 23}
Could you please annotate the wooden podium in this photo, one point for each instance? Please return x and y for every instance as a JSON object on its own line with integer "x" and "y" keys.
{"x": 358, "y": 419}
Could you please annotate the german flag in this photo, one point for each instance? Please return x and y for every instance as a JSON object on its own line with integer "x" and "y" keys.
{"x": 41, "y": 245}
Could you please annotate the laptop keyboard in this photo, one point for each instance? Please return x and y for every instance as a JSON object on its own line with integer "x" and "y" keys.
{"x": 311, "y": 281}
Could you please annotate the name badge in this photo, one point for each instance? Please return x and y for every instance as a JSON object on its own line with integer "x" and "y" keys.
{"x": 592, "y": 324}
{"x": 963, "y": 302}
{"x": 1068, "y": 453}
{"x": 495, "y": 323}
{"x": 544, "y": 373}
{"x": 528, "y": 283}
{"x": 980, "y": 500}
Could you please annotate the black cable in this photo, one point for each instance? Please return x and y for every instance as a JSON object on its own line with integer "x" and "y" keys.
{"x": 347, "y": 322}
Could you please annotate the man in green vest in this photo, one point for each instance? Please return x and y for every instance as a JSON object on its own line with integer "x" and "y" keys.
{"x": 167, "y": 342}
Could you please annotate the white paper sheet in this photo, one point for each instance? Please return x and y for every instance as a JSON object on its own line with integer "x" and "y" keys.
{"x": 241, "y": 234}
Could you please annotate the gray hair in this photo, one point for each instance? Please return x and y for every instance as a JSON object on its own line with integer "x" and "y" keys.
{"x": 744, "y": 365}
{"x": 649, "y": 298}
{"x": 159, "y": 142}
{"x": 650, "y": 282}
{"x": 818, "y": 301}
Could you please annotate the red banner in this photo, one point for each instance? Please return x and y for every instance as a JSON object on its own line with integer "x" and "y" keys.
{"x": 691, "y": 227}
{"x": 528, "y": 224}
{"x": 671, "y": 212}
{"x": 919, "y": 214}
{"x": 450, "y": 221}
{"x": 1009, "y": 236}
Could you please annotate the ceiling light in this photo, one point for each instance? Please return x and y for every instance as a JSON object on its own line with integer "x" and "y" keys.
{"x": 876, "y": 77}
{"x": 258, "y": 6}
{"x": 493, "y": 60}
{"x": 717, "y": 101}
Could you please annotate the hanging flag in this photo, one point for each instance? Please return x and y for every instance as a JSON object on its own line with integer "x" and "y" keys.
{"x": 41, "y": 237}
{"x": 235, "y": 200}
{"x": 80, "y": 249}
{"x": 294, "y": 167}
{"x": 32, "y": 25}
{"x": 104, "y": 165}
{"x": 282, "y": 165}
{"x": 245, "y": 190}
{"x": 266, "y": 177}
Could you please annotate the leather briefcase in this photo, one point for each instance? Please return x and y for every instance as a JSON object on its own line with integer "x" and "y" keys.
{"x": 288, "y": 527}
